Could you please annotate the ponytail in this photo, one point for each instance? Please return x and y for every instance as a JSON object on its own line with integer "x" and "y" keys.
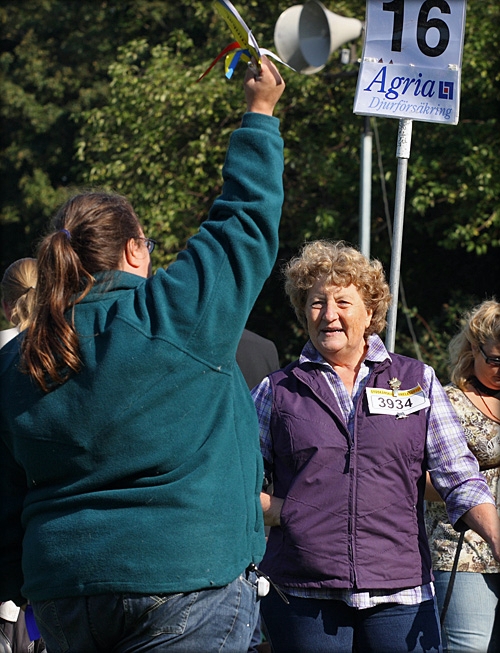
{"x": 92, "y": 230}
{"x": 50, "y": 348}
{"x": 18, "y": 290}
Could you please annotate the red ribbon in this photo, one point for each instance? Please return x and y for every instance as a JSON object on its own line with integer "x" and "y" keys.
{"x": 232, "y": 46}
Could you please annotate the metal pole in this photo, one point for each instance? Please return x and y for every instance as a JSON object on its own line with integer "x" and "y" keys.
{"x": 403, "y": 154}
{"x": 365, "y": 199}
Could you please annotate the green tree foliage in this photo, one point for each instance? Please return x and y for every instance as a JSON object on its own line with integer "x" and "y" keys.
{"x": 105, "y": 93}
{"x": 161, "y": 138}
{"x": 54, "y": 60}
{"x": 456, "y": 188}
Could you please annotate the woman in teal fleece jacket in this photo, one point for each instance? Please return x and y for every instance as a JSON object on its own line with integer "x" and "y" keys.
{"x": 130, "y": 467}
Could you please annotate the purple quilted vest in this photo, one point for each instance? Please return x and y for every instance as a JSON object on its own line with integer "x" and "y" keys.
{"x": 353, "y": 510}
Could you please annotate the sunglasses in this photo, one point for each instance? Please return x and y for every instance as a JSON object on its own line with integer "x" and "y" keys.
{"x": 494, "y": 361}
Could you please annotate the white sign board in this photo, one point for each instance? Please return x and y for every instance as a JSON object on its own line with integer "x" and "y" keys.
{"x": 412, "y": 60}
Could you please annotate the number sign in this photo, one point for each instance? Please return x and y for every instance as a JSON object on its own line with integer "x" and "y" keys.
{"x": 412, "y": 60}
{"x": 405, "y": 402}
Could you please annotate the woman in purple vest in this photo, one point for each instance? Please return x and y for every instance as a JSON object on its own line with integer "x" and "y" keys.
{"x": 348, "y": 432}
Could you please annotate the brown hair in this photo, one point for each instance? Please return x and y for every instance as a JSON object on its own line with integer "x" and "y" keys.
{"x": 342, "y": 265}
{"x": 90, "y": 236}
{"x": 18, "y": 290}
{"x": 479, "y": 325}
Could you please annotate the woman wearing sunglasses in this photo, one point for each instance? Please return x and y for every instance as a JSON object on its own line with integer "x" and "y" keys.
{"x": 472, "y": 622}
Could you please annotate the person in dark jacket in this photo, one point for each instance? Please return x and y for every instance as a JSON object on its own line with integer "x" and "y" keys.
{"x": 125, "y": 422}
{"x": 18, "y": 300}
{"x": 257, "y": 357}
{"x": 348, "y": 432}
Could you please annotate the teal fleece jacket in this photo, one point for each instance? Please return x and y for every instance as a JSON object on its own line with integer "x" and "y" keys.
{"x": 142, "y": 472}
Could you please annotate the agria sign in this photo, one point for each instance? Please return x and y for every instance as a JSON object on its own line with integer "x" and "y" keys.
{"x": 418, "y": 97}
{"x": 412, "y": 60}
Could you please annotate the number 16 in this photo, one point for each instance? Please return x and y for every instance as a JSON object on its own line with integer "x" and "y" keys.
{"x": 423, "y": 26}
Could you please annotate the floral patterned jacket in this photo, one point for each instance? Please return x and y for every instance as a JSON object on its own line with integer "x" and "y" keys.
{"x": 483, "y": 438}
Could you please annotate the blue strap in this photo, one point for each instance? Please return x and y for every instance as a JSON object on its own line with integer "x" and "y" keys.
{"x": 31, "y": 626}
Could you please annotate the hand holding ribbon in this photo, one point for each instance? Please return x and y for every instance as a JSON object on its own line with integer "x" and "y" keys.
{"x": 245, "y": 47}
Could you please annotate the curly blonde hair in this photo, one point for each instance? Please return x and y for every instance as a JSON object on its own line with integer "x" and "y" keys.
{"x": 18, "y": 290}
{"x": 479, "y": 325}
{"x": 342, "y": 265}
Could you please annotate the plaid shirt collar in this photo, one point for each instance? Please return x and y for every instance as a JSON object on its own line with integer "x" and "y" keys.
{"x": 377, "y": 352}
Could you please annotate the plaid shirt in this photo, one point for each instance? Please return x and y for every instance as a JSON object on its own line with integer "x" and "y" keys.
{"x": 446, "y": 449}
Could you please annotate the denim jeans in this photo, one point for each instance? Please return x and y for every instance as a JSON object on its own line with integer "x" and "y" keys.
{"x": 206, "y": 621}
{"x": 326, "y": 626}
{"x": 256, "y": 637}
{"x": 472, "y": 622}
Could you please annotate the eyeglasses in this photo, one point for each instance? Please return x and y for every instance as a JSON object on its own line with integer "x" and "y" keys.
{"x": 494, "y": 361}
{"x": 150, "y": 243}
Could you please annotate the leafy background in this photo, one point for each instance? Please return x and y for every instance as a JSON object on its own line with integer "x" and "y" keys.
{"x": 105, "y": 93}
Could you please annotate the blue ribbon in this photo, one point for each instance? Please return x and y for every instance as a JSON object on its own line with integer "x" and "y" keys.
{"x": 233, "y": 64}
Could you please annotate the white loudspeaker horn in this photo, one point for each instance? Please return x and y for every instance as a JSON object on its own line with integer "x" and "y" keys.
{"x": 306, "y": 35}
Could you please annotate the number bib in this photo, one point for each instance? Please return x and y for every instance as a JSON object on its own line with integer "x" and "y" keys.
{"x": 400, "y": 404}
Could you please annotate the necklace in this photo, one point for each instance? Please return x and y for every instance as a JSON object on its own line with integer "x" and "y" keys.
{"x": 495, "y": 419}
{"x": 483, "y": 389}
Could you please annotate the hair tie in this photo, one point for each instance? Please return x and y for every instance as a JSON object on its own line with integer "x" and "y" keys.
{"x": 66, "y": 232}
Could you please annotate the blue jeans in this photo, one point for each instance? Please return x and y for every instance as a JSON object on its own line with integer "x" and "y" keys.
{"x": 326, "y": 626}
{"x": 472, "y": 622}
{"x": 221, "y": 619}
{"x": 256, "y": 637}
